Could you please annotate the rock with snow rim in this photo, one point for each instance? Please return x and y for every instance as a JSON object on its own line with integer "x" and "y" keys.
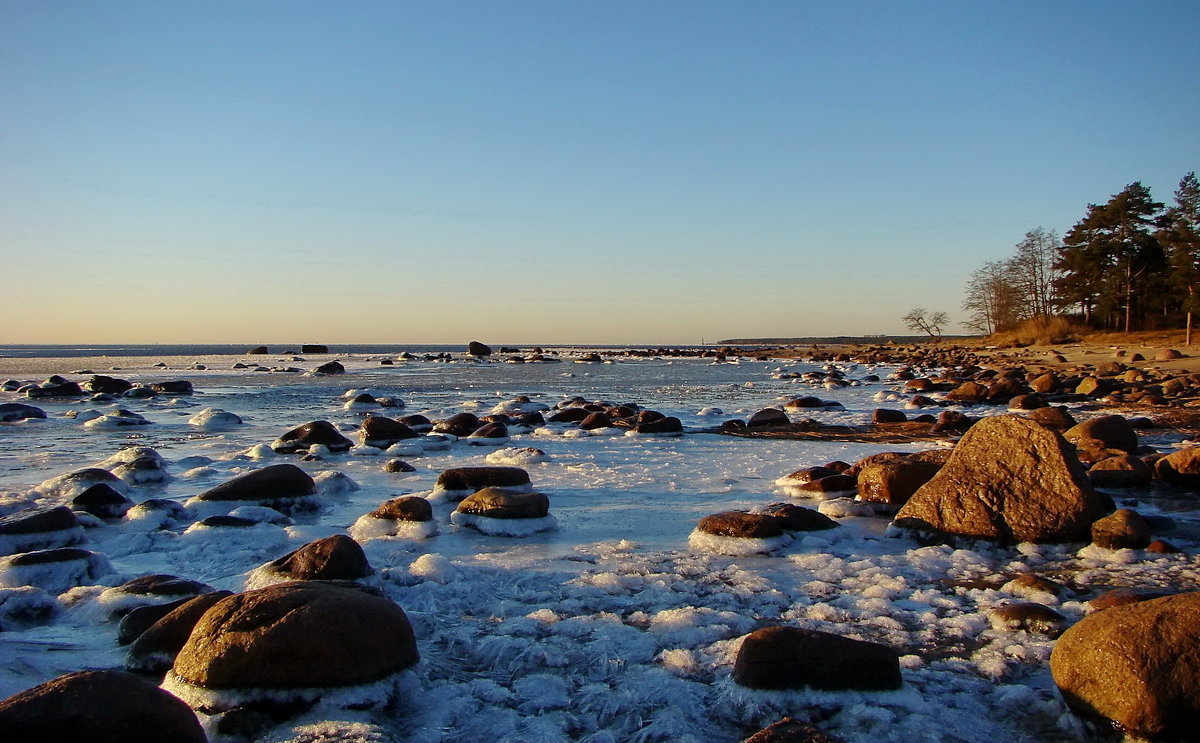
{"x": 738, "y": 533}
{"x": 300, "y": 642}
{"x": 503, "y": 512}
{"x": 408, "y": 517}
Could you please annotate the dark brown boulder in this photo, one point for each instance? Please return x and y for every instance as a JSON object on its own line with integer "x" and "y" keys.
{"x": 467, "y": 480}
{"x": 498, "y": 503}
{"x": 1137, "y": 665}
{"x": 741, "y": 524}
{"x": 594, "y": 421}
{"x": 102, "y": 385}
{"x": 1122, "y": 596}
{"x": 801, "y": 476}
{"x": 276, "y": 485}
{"x": 666, "y": 425}
{"x": 1009, "y": 480}
{"x": 808, "y": 401}
{"x": 16, "y": 411}
{"x": 1113, "y": 430}
{"x": 1045, "y": 384}
{"x": 381, "y": 432}
{"x": 798, "y": 518}
{"x": 461, "y": 424}
{"x": 1121, "y": 529}
{"x": 102, "y": 501}
{"x": 39, "y": 528}
{"x": 769, "y": 418}
{"x": 884, "y": 415}
{"x": 314, "y": 348}
{"x": 834, "y": 484}
{"x": 316, "y": 432}
{"x": 159, "y": 584}
{"x": 574, "y": 414}
{"x": 493, "y": 430}
{"x": 98, "y": 707}
{"x": 330, "y": 367}
{"x": 398, "y": 465}
{"x": 795, "y": 658}
{"x": 404, "y": 508}
{"x": 893, "y": 483}
{"x": 333, "y": 558}
{"x": 153, "y": 648}
{"x": 418, "y": 423}
{"x": 952, "y": 420}
{"x": 304, "y": 635}
{"x": 475, "y": 348}
{"x": 1026, "y": 402}
{"x": 1168, "y": 354}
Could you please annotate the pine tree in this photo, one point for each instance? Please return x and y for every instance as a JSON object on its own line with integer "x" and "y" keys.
{"x": 1180, "y": 237}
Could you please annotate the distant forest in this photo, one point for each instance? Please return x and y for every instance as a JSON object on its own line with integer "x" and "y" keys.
{"x": 1132, "y": 263}
{"x": 836, "y": 340}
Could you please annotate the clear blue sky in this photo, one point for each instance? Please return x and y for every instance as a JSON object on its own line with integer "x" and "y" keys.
{"x": 518, "y": 172}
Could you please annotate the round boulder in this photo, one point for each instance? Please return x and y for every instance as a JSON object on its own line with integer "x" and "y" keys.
{"x": 795, "y": 658}
{"x": 98, "y": 707}
{"x": 310, "y": 434}
{"x": 1136, "y": 665}
{"x": 291, "y": 639}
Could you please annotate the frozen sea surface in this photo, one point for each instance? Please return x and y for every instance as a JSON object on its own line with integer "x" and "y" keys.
{"x": 606, "y": 628}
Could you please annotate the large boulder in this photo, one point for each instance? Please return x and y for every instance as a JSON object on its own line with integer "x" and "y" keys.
{"x": 1137, "y": 665}
{"x": 795, "y": 658}
{"x": 381, "y": 432}
{"x": 459, "y": 482}
{"x": 1181, "y": 468}
{"x": 893, "y": 482}
{"x": 161, "y": 631}
{"x": 1009, "y": 480}
{"x": 39, "y": 528}
{"x": 98, "y": 707}
{"x": 16, "y": 411}
{"x": 475, "y": 348}
{"x": 291, "y": 639}
{"x": 333, "y": 558}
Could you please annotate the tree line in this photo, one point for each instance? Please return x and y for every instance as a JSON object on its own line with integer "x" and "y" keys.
{"x": 1132, "y": 263}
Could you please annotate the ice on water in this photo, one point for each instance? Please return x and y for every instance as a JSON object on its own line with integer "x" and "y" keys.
{"x": 618, "y": 625}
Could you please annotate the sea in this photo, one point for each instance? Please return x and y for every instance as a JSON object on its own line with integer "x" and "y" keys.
{"x": 613, "y": 623}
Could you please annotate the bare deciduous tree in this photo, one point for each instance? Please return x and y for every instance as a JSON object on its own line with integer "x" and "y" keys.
{"x": 925, "y": 321}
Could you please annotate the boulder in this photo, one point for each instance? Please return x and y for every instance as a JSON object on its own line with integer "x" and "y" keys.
{"x": 1029, "y": 617}
{"x": 381, "y": 432}
{"x": 475, "y": 348}
{"x": 63, "y": 389}
{"x": 1181, "y": 468}
{"x": 330, "y": 367}
{"x": 769, "y": 418}
{"x": 667, "y": 425}
{"x": 893, "y": 482}
{"x": 462, "y": 481}
{"x": 1120, "y": 471}
{"x": 826, "y": 486}
{"x": 16, "y": 411}
{"x": 398, "y": 466}
{"x": 39, "y": 528}
{"x": 302, "y": 638}
{"x": 795, "y": 658}
{"x": 1121, "y": 529}
{"x": 741, "y": 524}
{"x": 404, "y": 508}
{"x": 175, "y": 387}
{"x": 1010, "y": 480}
{"x": 1113, "y": 430}
{"x": 279, "y": 486}
{"x": 1055, "y": 416}
{"x": 153, "y": 646}
{"x": 798, "y": 518}
{"x": 98, "y": 707}
{"x": 316, "y": 432}
{"x": 460, "y": 425}
{"x": 884, "y": 415}
{"x": 333, "y": 558}
{"x": 1136, "y": 665}
{"x": 968, "y": 392}
{"x": 499, "y": 503}
{"x": 1168, "y": 354}
{"x": 257, "y": 351}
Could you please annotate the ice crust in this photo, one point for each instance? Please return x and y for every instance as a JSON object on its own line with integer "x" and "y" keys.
{"x": 611, "y": 628}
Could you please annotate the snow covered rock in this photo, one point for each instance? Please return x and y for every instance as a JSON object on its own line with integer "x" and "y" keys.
{"x": 407, "y": 517}
{"x": 507, "y": 513}
{"x": 801, "y": 476}
{"x": 142, "y": 470}
{"x": 833, "y": 486}
{"x": 73, "y": 483}
{"x": 418, "y": 423}
{"x": 1028, "y": 616}
{"x": 284, "y": 487}
{"x": 98, "y": 707}
{"x": 54, "y": 570}
{"x": 459, "y": 482}
{"x": 1137, "y": 665}
{"x": 157, "y": 513}
{"x": 294, "y": 642}
{"x": 795, "y": 658}
{"x": 517, "y": 456}
{"x": 738, "y": 533}
{"x": 333, "y": 558}
{"x": 215, "y": 419}
{"x": 39, "y": 528}
{"x": 119, "y": 418}
{"x": 316, "y": 433}
{"x": 1009, "y": 480}
{"x": 381, "y": 432}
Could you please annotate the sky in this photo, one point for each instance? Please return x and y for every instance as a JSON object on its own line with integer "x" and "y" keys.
{"x": 626, "y": 171}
